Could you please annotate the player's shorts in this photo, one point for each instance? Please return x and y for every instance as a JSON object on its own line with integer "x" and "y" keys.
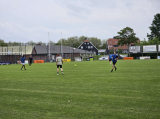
{"x": 114, "y": 63}
{"x": 110, "y": 59}
{"x": 59, "y": 66}
{"x": 23, "y": 63}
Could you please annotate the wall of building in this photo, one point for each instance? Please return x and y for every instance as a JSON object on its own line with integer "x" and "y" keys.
{"x": 89, "y": 47}
{"x": 40, "y": 57}
{"x": 12, "y": 58}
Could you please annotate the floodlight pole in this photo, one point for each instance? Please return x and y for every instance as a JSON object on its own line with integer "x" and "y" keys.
{"x": 49, "y": 46}
{"x": 157, "y": 50}
{"x": 128, "y": 50}
{"x": 61, "y": 43}
{"x": 142, "y": 49}
{"x": 70, "y": 51}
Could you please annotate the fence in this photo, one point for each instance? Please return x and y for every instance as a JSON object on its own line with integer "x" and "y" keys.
{"x": 13, "y": 52}
{"x": 44, "y": 52}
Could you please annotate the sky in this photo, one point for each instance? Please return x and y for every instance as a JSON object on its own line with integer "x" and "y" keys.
{"x": 33, "y": 20}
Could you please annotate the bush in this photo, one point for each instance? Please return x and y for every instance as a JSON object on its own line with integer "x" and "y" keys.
{"x": 119, "y": 50}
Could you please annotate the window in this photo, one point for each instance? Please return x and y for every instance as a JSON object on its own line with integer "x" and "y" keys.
{"x": 115, "y": 46}
{"x": 81, "y": 47}
{"x": 115, "y": 41}
{"x": 85, "y": 43}
{"x": 89, "y": 47}
{"x": 86, "y": 47}
{"x": 110, "y": 42}
{"x": 88, "y": 43}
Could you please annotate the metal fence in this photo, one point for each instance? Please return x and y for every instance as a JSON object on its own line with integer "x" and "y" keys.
{"x": 13, "y": 53}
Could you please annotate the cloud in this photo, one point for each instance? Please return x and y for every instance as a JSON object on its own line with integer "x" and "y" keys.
{"x": 27, "y": 20}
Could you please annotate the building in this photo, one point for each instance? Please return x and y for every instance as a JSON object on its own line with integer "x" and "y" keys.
{"x": 112, "y": 44}
{"x": 88, "y": 46}
{"x": 14, "y": 53}
{"x": 41, "y": 52}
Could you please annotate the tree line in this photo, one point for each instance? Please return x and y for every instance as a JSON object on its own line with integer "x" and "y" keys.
{"x": 71, "y": 41}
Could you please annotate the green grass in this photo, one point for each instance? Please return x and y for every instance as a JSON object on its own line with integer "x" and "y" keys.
{"x": 88, "y": 91}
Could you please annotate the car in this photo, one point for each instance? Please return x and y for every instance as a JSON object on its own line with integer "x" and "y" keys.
{"x": 103, "y": 58}
{"x": 53, "y": 60}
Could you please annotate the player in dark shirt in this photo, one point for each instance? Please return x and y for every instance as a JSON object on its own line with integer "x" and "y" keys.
{"x": 110, "y": 58}
{"x": 114, "y": 60}
{"x": 30, "y": 59}
{"x": 81, "y": 57}
{"x": 23, "y": 62}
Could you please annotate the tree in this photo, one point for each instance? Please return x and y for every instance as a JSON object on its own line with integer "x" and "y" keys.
{"x": 95, "y": 41}
{"x": 31, "y": 43}
{"x": 71, "y": 41}
{"x": 15, "y": 43}
{"x": 82, "y": 39}
{"x": 144, "y": 42}
{"x": 154, "y": 41}
{"x": 40, "y": 42}
{"x": 111, "y": 51}
{"x": 2, "y": 43}
{"x": 126, "y": 36}
{"x": 51, "y": 43}
{"x": 119, "y": 50}
{"x": 74, "y": 41}
{"x": 104, "y": 43}
{"x": 64, "y": 42}
{"x": 155, "y": 28}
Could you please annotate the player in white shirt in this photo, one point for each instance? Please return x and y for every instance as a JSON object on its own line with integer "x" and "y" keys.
{"x": 59, "y": 62}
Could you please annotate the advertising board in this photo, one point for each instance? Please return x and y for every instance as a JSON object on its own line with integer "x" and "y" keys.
{"x": 38, "y": 61}
{"x": 127, "y": 58}
{"x": 134, "y": 49}
{"x": 149, "y": 49}
{"x": 66, "y": 60}
{"x": 144, "y": 57}
{"x": 5, "y": 62}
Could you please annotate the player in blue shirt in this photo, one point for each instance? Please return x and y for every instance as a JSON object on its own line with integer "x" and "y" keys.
{"x": 114, "y": 60}
{"x": 110, "y": 58}
{"x": 23, "y": 62}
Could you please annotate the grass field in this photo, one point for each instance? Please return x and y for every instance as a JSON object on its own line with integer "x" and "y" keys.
{"x": 88, "y": 91}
